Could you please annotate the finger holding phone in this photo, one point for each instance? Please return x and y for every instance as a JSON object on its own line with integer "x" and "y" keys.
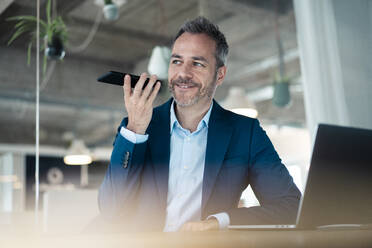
{"x": 139, "y": 102}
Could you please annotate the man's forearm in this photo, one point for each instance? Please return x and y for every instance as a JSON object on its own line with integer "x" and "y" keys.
{"x": 283, "y": 212}
{"x": 122, "y": 176}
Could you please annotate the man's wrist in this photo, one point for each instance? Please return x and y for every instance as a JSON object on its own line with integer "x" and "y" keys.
{"x": 135, "y": 129}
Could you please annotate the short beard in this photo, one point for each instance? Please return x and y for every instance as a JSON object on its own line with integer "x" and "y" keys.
{"x": 209, "y": 91}
{"x": 187, "y": 104}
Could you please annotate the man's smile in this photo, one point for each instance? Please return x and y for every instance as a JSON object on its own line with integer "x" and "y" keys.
{"x": 185, "y": 86}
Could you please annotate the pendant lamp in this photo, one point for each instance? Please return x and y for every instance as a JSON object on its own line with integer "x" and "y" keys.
{"x": 159, "y": 61}
{"x": 77, "y": 154}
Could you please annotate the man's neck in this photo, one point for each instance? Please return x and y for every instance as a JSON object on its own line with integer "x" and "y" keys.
{"x": 189, "y": 117}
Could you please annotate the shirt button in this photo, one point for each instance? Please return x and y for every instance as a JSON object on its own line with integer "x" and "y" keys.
{"x": 187, "y": 138}
{"x": 185, "y": 167}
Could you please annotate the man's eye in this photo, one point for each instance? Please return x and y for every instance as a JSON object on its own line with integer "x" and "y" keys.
{"x": 176, "y": 62}
{"x": 198, "y": 64}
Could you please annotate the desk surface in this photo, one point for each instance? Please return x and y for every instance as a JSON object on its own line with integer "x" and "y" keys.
{"x": 344, "y": 238}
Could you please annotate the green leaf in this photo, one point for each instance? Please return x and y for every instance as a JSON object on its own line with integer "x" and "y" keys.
{"x": 49, "y": 35}
{"x": 44, "y": 64}
{"x": 29, "y": 53}
{"x": 22, "y": 17}
{"x": 28, "y": 26}
{"x": 27, "y": 19}
{"x": 48, "y": 12}
{"x": 19, "y": 32}
{"x": 22, "y": 23}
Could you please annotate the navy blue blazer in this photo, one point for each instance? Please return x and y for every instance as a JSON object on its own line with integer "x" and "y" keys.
{"x": 239, "y": 153}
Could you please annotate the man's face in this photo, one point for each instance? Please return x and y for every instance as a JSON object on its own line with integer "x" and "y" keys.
{"x": 192, "y": 71}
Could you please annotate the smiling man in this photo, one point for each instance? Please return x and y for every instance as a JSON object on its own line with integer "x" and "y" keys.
{"x": 184, "y": 165}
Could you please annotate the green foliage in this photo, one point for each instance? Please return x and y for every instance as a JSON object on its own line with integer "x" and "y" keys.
{"x": 48, "y": 29}
{"x": 108, "y": 2}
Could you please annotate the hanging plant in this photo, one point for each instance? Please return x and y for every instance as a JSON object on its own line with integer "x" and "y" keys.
{"x": 281, "y": 97}
{"x": 53, "y": 33}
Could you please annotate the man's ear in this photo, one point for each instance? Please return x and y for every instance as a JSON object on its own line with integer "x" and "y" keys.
{"x": 221, "y": 73}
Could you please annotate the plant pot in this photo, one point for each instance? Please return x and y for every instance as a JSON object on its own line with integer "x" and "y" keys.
{"x": 55, "y": 49}
{"x": 281, "y": 96}
{"x": 111, "y": 12}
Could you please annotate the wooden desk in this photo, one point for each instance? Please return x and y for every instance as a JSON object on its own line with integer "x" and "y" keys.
{"x": 288, "y": 239}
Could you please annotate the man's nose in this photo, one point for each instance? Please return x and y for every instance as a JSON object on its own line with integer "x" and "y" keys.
{"x": 185, "y": 71}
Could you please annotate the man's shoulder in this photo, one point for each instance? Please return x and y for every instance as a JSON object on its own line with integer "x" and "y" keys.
{"x": 234, "y": 118}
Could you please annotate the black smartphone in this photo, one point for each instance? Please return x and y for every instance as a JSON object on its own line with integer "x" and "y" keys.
{"x": 117, "y": 78}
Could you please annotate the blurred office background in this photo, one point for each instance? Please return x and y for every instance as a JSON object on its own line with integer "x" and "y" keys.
{"x": 294, "y": 63}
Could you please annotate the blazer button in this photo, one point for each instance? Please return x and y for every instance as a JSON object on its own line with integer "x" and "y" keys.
{"x": 125, "y": 165}
{"x": 126, "y": 160}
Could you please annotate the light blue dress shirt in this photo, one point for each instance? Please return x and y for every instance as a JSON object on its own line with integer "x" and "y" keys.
{"x": 186, "y": 169}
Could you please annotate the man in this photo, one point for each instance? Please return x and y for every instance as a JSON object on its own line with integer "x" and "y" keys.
{"x": 183, "y": 165}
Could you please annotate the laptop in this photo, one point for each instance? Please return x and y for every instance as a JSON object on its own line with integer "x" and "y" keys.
{"x": 338, "y": 191}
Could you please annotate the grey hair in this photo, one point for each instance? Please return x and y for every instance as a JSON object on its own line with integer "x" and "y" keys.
{"x": 202, "y": 25}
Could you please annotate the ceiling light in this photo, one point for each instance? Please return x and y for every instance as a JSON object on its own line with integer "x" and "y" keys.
{"x": 77, "y": 154}
{"x": 237, "y": 102}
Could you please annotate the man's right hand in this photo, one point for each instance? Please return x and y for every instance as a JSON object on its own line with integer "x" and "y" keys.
{"x": 139, "y": 103}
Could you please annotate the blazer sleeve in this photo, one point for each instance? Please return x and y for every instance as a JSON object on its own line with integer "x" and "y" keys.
{"x": 122, "y": 180}
{"x": 272, "y": 184}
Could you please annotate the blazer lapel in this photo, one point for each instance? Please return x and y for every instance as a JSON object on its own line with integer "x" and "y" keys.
{"x": 219, "y": 134}
{"x": 159, "y": 146}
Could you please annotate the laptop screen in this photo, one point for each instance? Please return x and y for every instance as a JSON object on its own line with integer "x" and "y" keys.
{"x": 339, "y": 183}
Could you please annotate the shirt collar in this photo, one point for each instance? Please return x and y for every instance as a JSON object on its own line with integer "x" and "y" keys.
{"x": 174, "y": 121}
